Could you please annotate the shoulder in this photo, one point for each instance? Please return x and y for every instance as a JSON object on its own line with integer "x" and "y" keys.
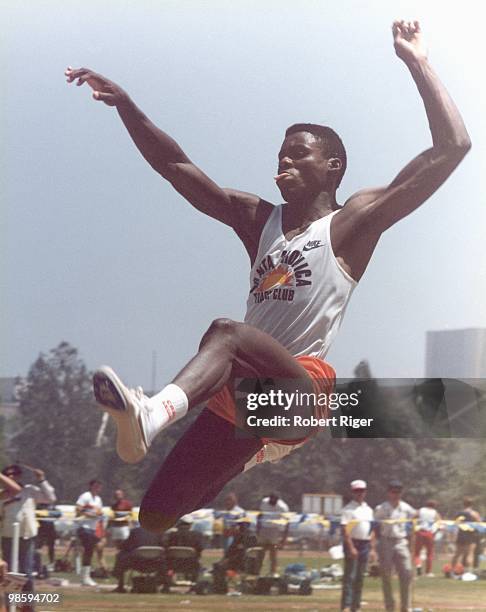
{"x": 363, "y": 196}
{"x": 407, "y": 507}
{"x": 357, "y": 208}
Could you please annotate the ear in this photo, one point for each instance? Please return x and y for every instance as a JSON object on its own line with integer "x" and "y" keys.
{"x": 334, "y": 163}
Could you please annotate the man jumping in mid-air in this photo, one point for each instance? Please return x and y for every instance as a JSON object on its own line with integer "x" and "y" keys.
{"x": 307, "y": 256}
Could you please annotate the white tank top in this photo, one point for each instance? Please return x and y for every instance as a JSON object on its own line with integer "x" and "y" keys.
{"x": 298, "y": 290}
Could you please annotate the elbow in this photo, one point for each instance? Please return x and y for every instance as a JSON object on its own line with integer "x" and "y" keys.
{"x": 449, "y": 155}
{"x": 459, "y": 149}
{"x": 464, "y": 146}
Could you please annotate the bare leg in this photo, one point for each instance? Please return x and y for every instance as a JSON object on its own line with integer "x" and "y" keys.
{"x": 207, "y": 456}
{"x": 230, "y": 349}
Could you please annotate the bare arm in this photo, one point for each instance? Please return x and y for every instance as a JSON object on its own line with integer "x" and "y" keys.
{"x": 236, "y": 209}
{"x": 11, "y": 487}
{"x": 370, "y": 212}
{"x": 45, "y": 493}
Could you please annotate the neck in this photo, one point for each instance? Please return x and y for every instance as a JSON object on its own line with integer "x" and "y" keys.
{"x": 303, "y": 212}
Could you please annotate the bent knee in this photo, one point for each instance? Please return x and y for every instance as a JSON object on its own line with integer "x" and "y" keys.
{"x": 222, "y": 328}
{"x": 155, "y": 522}
{"x": 223, "y": 325}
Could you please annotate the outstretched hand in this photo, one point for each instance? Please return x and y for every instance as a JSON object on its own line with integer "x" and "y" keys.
{"x": 408, "y": 42}
{"x": 104, "y": 90}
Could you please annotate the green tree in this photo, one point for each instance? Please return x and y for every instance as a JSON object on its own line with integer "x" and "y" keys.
{"x": 57, "y": 422}
{"x": 425, "y": 466}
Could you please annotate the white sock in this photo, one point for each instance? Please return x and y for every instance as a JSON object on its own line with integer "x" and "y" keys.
{"x": 168, "y": 406}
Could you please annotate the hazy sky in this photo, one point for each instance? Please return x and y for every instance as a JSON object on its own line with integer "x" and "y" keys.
{"x": 97, "y": 250}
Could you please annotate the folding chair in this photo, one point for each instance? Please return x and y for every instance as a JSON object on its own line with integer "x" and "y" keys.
{"x": 150, "y": 564}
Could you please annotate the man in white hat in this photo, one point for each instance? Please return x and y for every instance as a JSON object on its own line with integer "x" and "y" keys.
{"x": 358, "y": 542}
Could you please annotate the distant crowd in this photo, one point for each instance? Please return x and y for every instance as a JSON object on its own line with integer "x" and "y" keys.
{"x": 381, "y": 537}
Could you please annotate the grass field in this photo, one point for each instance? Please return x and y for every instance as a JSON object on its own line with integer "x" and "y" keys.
{"x": 437, "y": 594}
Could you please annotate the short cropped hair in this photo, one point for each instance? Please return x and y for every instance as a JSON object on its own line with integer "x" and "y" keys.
{"x": 331, "y": 143}
{"x": 94, "y": 481}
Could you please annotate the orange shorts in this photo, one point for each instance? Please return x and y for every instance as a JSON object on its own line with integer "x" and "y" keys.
{"x": 323, "y": 379}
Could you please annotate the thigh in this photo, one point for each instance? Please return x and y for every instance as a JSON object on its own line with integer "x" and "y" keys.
{"x": 385, "y": 552}
{"x": 206, "y": 457}
{"x": 258, "y": 354}
{"x": 402, "y": 556}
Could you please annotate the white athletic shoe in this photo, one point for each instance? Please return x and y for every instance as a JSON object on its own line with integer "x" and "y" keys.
{"x": 129, "y": 409}
{"x": 86, "y": 579}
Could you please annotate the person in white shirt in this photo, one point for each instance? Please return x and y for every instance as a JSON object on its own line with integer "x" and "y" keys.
{"x": 273, "y": 503}
{"x": 428, "y": 518}
{"x": 307, "y": 256}
{"x": 231, "y": 513}
{"x": 272, "y": 538}
{"x": 18, "y": 506}
{"x": 358, "y": 542}
{"x": 393, "y": 545}
{"x": 89, "y": 510}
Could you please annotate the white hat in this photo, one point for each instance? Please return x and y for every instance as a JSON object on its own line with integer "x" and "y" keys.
{"x": 358, "y": 484}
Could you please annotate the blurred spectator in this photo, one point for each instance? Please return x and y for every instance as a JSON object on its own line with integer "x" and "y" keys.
{"x": 231, "y": 504}
{"x": 46, "y": 536}
{"x": 393, "y": 545}
{"x": 183, "y": 536}
{"x": 18, "y": 505}
{"x": 358, "y": 539}
{"x": 273, "y": 503}
{"x": 234, "y": 557}
{"x": 466, "y": 539}
{"x": 89, "y": 510}
{"x": 126, "y": 557}
{"x": 3, "y": 573}
{"x": 424, "y": 537}
{"x": 232, "y": 512}
{"x": 271, "y": 532}
{"x": 119, "y": 525}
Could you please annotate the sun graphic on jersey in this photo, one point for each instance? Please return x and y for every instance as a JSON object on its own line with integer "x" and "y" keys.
{"x": 281, "y": 276}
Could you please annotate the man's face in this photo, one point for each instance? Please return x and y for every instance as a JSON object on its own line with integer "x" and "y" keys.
{"x": 96, "y": 488}
{"x": 359, "y": 494}
{"x": 302, "y": 167}
{"x": 118, "y": 494}
{"x": 229, "y": 502}
{"x": 394, "y": 494}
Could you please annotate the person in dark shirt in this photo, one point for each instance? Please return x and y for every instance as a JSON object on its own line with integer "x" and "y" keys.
{"x": 234, "y": 557}
{"x": 126, "y": 557}
{"x": 466, "y": 539}
{"x": 183, "y": 536}
{"x": 119, "y": 525}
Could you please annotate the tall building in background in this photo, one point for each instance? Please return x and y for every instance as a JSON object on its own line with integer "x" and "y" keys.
{"x": 456, "y": 353}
